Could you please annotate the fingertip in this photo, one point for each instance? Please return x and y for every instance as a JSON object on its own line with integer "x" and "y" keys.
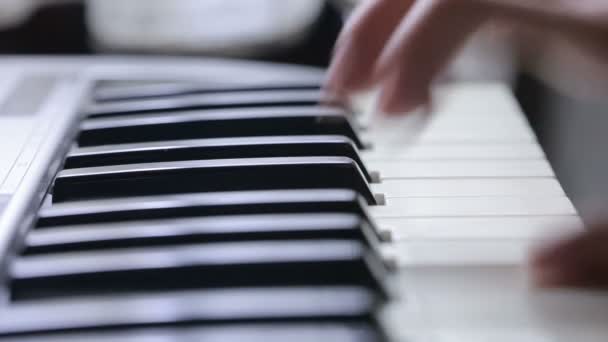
{"x": 549, "y": 277}
{"x": 333, "y": 92}
{"x": 330, "y": 92}
{"x": 395, "y": 98}
{"x": 560, "y": 264}
{"x": 541, "y": 256}
{"x": 546, "y": 271}
{"x": 561, "y": 250}
{"x": 401, "y": 104}
{"x": 334, "y": 78}
{"x": 330, "y": 98}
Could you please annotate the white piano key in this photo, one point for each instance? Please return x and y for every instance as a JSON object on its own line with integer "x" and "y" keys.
{"x": 464, "y": 113}
{"x": 447, "y": 125}
{"x": 463, "y": 187}
{"x": 459, "y": 253}
{"x": 517, "y": 334}
{"x": 475, "y": 133}
{"x": 474, "y": 109}
{"x": 473, "y": 206}
{"x": 461, "y": 169}
{"x": 493, "y": 303}
{"x": 526, "y": 227}
{"x": 473, "y": 100}
{"x": 464, "y": 278}
{"x": 455, "y": 151}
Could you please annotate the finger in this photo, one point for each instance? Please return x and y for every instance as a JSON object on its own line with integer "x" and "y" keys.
{"x": 579, "y": 262}
{"x": 360, "y": 43}
{"x": 424, "y": 42}
{"x": 572, "y": 16}
{"x": 434, "y": 30}
{"x": 567, "y": 249}
{"x": 392, "y": 100}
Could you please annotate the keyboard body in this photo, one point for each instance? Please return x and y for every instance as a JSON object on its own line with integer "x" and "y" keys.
{"x": 457, "y": 199}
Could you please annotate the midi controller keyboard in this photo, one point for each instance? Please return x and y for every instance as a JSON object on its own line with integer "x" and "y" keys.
{"x": 187, "y": 199}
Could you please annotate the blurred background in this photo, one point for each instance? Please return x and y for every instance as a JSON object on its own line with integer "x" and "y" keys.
{"x": 572, "y": 130}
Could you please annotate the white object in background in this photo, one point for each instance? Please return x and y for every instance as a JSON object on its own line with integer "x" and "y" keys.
{"x": 15, "y": 12}
{"x": 235, "y": 27}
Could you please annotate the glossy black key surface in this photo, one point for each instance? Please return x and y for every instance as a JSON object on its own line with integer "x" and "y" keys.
{"x": 236, "y": 99}
{"x": 223, "y": 123}
{"x": 237, "y": 264}
{"x": 207, "y": 308}
{"x": 252, "y": 332}
{"x": 107, "y": 93}
{"x": 173, "y": 232}
{"x": 203, "y": 204}
{"x": 211, "y": 176}
{"x": 219, "y": 148}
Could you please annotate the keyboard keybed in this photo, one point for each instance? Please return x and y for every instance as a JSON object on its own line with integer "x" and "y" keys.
{"x": 218, "y": 212}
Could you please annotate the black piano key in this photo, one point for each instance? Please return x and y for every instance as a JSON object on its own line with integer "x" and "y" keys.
{"x": 226, "y": 123}
{"x": 211, "y": 176}
{"x": 109, "y": 93}
{"x": 209, "y": 308}
{"x": 237, "y": 99}
{"x": 203, "y": 204}
{"x": 218, "y": 265}
{"x": 173, "y": 232}
{"x": 252, "y": 332}
{"x": 219, "y": 148}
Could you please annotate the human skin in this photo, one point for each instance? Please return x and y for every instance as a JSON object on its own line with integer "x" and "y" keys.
{"x": 401, "y": 46}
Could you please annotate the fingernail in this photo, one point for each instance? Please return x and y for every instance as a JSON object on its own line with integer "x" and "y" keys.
{"x": 332, "y": 91}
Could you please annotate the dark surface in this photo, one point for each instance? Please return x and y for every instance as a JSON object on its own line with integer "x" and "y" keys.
{"x": 219, "y": 123}
{"x": 197, "y": 205}
{"x": 177, "y": 231}
{"x": 197, "y": 266}
{"x": 537, "y": 102}
{"x": 265, "y": 332}
{"x": 235, "y": 99}
{"x": 226, "y": 148}
{"x": 51, "y": 30}
{"x": 211, "y": 176}
{"x": 238, "y": 306}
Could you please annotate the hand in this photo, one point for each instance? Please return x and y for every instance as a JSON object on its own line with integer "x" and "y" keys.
{"x": 402, "y": 45}
{"x": 578, "y": 262}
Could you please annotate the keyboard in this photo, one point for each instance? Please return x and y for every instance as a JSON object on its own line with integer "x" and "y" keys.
{"x": 188, "y": 199}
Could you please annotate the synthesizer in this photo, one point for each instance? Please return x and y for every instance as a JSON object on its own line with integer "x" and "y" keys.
{"x": 188, "y": 199}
